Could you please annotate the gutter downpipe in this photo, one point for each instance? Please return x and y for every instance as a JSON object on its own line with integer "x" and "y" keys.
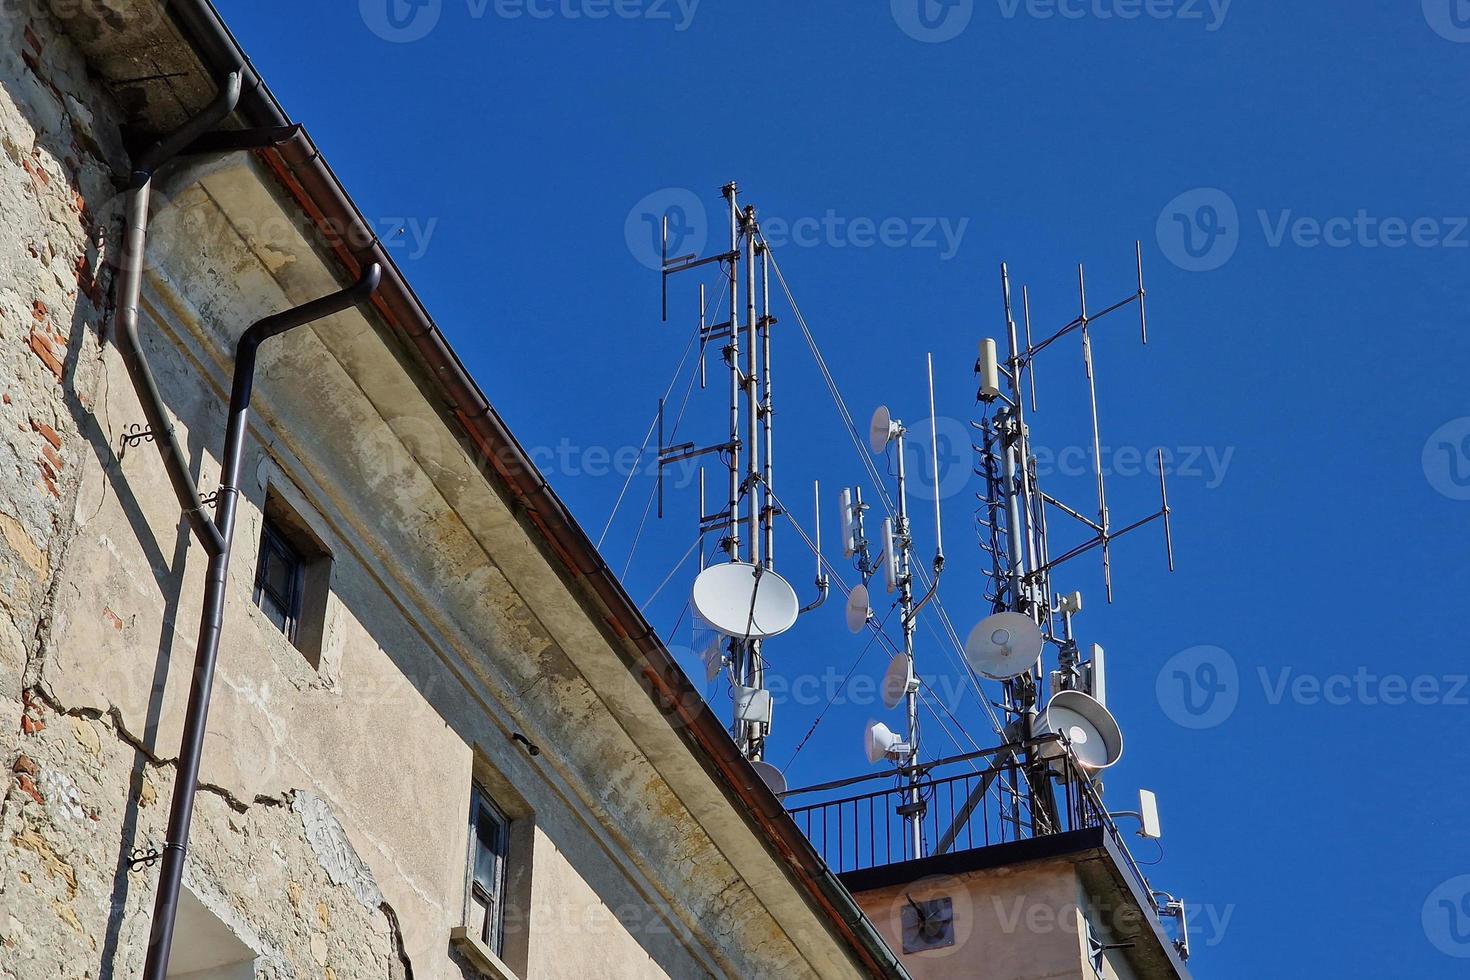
{"x": 214, "y": 535}
{"x": 181, "y": 811}
{"x": 129, "y": 292}
{"x": 299, "y": 163}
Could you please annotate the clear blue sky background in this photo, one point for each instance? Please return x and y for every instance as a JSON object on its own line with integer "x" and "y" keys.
{"x": 1326, "y": 539}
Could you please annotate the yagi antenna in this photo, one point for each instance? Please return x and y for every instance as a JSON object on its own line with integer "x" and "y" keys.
{"x": 1028, "y": 544}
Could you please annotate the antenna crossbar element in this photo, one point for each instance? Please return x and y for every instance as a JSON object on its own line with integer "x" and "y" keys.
{"x": 1083, "y": 319}
{"x": 683, "y": 263}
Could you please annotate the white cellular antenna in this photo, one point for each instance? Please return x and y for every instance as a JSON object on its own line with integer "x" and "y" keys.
{"x": 890, "y": 557}
{"x": 845, "y": 522}
{"x": 744, "y": 599}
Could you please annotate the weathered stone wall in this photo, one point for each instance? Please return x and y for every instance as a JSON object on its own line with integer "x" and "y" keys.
{"x": 279, "y": 873}
{"x": 55, "y": 172}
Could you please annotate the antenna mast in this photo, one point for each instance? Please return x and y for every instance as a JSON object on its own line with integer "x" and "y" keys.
{"x": 748, "y": 517}
{"x": 1014, "y": 502}
{"x": 902, "y": 679}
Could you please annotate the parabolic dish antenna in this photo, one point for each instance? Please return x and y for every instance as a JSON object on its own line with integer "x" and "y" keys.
{"x": 1004, "y": 645}
{"x": 858, "y": 609}
{"x": 898, "y": 680}
{"x": 744, "y": 600}
{"x": 878, "y": 741}
{"x": 1096, "y": 739}
{"x": 771, "y": 776}
{"x": 880, "y": 430}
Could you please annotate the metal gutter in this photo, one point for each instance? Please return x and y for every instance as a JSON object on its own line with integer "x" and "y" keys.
{"x": 215, "y": 535}
{"x": 129, "y": 291}
{"x": 211, "y": 625}
{"x": 300, "y": 168}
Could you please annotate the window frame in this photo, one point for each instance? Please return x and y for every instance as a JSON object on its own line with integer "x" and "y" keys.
{"x": 491, "y": 931}
{"x": 275, "y": 541}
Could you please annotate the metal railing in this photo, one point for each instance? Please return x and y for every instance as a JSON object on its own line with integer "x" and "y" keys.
{"x": 1000, "y": 798}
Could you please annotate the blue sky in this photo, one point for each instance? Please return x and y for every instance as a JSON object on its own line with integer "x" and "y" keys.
{"x": 1296, "y": 175}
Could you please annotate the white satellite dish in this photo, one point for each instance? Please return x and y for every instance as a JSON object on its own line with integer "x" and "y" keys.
{"x": 771, "y": 776}
{"x": 744, "y": 600}
{"x": 881, "y": 430}
{"x": 880, "y": 743}
{"x": 1088, "y": 727}
{"x": 859, "y": 611}
{"x": 898, "y": 680}
{"x": 713, "y": 656}
{"x": 1004, "y": 645}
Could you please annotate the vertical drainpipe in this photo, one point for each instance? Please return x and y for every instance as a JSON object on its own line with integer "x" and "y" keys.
{"x": 214, "y": 535}
{"x": 212, "y": 619}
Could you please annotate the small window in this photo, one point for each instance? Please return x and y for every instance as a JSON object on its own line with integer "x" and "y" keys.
{"x": 489, "y": 835}
{"x": 278, "y": 580}
{"x": 293, "y": 577}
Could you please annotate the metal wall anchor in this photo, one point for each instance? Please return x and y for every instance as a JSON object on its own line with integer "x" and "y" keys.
{"x": 137, "y": 433}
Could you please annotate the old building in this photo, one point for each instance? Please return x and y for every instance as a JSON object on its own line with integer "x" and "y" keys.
{"x": 441, "y": 742}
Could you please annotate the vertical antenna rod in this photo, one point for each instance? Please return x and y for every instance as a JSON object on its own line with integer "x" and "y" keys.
{"x": 768, "y": 511}
{"x": 934, "y": 451}
{"x": 752, "y": 398}
{"x": 732, "y": 360}
{"x": 739, "y": 649}
{"x": 752, "y": 489}
{"x": 1097, "y": 468}
{"x": 903, "y": 541}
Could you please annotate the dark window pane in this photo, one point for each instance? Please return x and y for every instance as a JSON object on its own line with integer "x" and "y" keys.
{"x": 488, "y": 833}
{"x": 487, "y": 851}
{"x": 278, "y": 574}
{"x": 278, "y": 581}
{"x": 274, "y": 611}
